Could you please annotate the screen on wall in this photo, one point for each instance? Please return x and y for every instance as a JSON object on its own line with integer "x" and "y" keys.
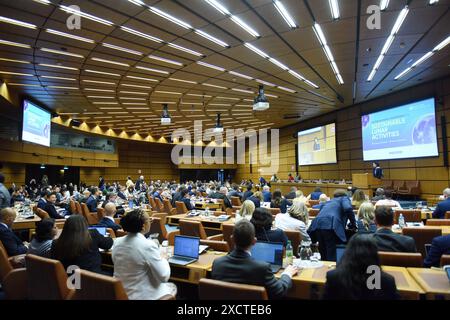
{"x": 36, "y": 124}
{"x": 407, "y": 131}
{"x": 317, "y": 145}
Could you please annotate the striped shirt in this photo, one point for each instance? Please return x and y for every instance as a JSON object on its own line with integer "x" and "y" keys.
{"x": 41, "y": 249}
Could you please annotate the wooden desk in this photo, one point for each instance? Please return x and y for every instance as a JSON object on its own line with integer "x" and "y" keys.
{"x": 309, "y": 283}
{"x": 209, "y": 223}
{"x": 25, "y": 224}
{"x": 445, "y": 229}
{"x": 307, "y": 188}
{"x": 434, "y": 283}
{"x": 201, "y": 205}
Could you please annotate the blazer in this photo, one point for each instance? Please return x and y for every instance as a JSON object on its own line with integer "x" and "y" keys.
{"x": 439, "y": 246}
{"x": 272, "y": 235}
{"x": 108, "y": 223}
{"x": 267, "y": 196}
{"x": 5, "y": 197}
{"x": 91, "y": 259}
{"x": 157, "y": 195}
{"x": 315, "y": 195}
{"x": 41, "y": 203}
{"x": 188, "y": 203}
{"x": 283, "y": 205}
{"x": 290, "y": 195}
{"x": 92, "y": 203}
{"x": 51, "y": 210}
{"x": 246, "y": 195}
{"x": 334, "y": 289}
{"x": 239, "y": 267}
{"x": 334, "y": 216}
{"x": 255, "y": 200}
{"x": 13, "y": 245}
{"x": 441, "y": 208}
{"x": 387, "y": 240}
{"x": 362, "y": 229}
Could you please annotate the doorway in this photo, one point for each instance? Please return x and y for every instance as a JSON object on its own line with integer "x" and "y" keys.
{"x": 56, "y": 174}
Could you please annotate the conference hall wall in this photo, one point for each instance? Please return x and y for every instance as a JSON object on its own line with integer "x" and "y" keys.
{"x": 431, "y": 172}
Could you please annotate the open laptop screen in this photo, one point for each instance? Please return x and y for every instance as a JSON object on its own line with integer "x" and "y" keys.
{"x": 186, "y": 246}
{"x": 101, "y": 230}
{"x": 271, "y": 252}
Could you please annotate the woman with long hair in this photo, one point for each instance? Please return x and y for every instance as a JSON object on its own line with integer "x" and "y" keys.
{"x": 358, "y": 198}
{"x": 366, "y": 218}
{"x": 246, "y": 211}
{"x": 78, "y": 245}
{"x": 349, "y": 281}
{"x": 296, "y": 219}
{"x": 262, "y": 220}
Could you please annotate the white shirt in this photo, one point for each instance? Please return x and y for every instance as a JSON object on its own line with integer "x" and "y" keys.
{"x": 239, "y": 217}
{"x": 388, "y": 202}
{"x": 284, "y": 222}
{"x": 138, "y": 264}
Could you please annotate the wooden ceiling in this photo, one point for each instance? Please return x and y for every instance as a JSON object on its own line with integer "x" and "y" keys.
{"x": 117, "y": 75}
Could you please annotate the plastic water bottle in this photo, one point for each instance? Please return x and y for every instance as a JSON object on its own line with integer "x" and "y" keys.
{"x": 130, "y": 204}
{"x": 401, "y": 221}
{"x": 289, "y": 253}
{"x": 207, "y": 212}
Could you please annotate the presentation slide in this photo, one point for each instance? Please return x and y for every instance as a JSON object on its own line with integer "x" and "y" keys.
{"x": 317, "y": 145}
{"x": 407, "y": 131}
{"x": 36, "y": 124}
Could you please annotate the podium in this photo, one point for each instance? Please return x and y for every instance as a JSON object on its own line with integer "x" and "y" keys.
{"x": 366, "y": 182}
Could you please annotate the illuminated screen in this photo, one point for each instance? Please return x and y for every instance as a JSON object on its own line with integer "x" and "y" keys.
{"x": 36, "y": 124}
{"x": 407, "y": 131}
{"x": 317, "y": 145}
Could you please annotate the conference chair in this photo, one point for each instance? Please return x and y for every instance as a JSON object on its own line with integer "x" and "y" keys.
{"x": 159, "y": 205}
{"x": 216, "y": 245}
{"x": 181, "y": 207}
{"x": 161, "y": 215}
{"x": 100, "y": 214}
{"x": 438, "y": 222}
{"x": 153, "y": 204}
{"x": 398, "y": 184}
{"x": 296, "y": 238}
{"x": 388, "y": 185}
{"x": 47, "y": 279}
{"x": 235, "y": 201}
{"x": 447, "y": 215}
{"x": 34, "y": 208}
{"x": 445, "y": 260}
{"x": 210, "y": 289}
{"x": 196, "y": 229}
{"x": 401, "y": 259}
{"x": 96, "y": 286}
{"x": 313, "y": 202}
{"x": 168, "y": 207}
{"x": 274, "y": 211}
{"x": 313, "y": 212}
{"x": 78, "y": 208}
{"x": 411, "y": 188}
{"x": 422, "y": 236}
{"x": 222, "y": 204}
{"x": 158, "y": 226}
{"x": 42, "y": 213}
{"x": 227, "y": 231}
{"x": 72, "y": 206}
{"x": 409, "y": 215}
{"x": 13, "y": 281}
{"x": 91, "y": 217}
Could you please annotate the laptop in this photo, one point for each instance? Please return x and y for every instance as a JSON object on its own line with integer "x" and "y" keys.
{"x": 271, "y": 252}
{"x": 340, "y": 249}
{"x": 101, "y": 230}
{"x": 185, "y": 250}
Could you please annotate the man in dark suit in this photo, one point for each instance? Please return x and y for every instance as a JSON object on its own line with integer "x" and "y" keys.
{"x": 439, "y": 246}
{"x": 247, "y": 193}
{"x": 235, "y": 192}
{"x": 92, "y": 201}
{"x": 108, "y": 220}
{"x": 50, "y": 207}
{"x": 177, "y": 196}
{"x": 13, "y": 245}
{"x": 221, "y": 194}
{"x": 291, "y": 195}
{"x": 185, "y": 198}
{"x": 377, "y": 171}
{"x": 386, "y": 239}
{"x": 239, "y": 267}
{"x": 267, "y": 195}
{"x": 328, "y": 228}
{"x": 43, "y": 199}
{"x": 443, "y": 206}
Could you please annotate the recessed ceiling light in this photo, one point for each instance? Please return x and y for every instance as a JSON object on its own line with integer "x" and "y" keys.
{"x": 85, "y": 15}
{"x": 111, "y": 62}
{"x": 100, "y": 90}
{"x": 23, "y": 84}
{"x": 104, "y": 102}
{"x": 384, "y": 4}
{"x": 15, "y": 44}
{"x": 17, "y": 22}
{"x": 102, "y": 72}
{"x": 100, "y": 97}
{"x": 132, "y": 98}
{"x": 279, "y": 64}
{"x": 63, "y": 87}
{"x": 112, "y": 46}
{"x": 70, "y": 36}
{"x": 167, "y": 92}
{"x": 58, "y": 78}
{"x": 244, "y": 26}
{"x": 211, "y": 38}
{"x": 170, "y": 18}
{"x": 334, "y": 7}
{"x": 99, "y": 82}
{"x": 240, "y": 75}
{"x": 284, "y": 13}
{"x": 141, "y": 78}
{"x": 135, "y": 86}
{"x": 14, "y": 60}
{"x": 266, "y": 83}
{"x": 165, "y": 60}
{"x": 286, "y": 89}
{"x": 56, "y": 66}
{"x": 182, "y": 80}
{"x": 210, "y": 66}
{"x": 178, "y": 47}
{"x": 256, "y": 50}
{"x": 323, "y": 42}
{"x": 17, "y": 73}
{"x": 214, "y": 86}
{"x": 65, "y": 53}
{"x": 134, "y": 92}
{"x": 152, "y": 70}
{"x": 242, "y": 90}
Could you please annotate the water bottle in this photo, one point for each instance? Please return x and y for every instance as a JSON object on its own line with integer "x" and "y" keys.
{"x": 401, "y": 221}
{"x": 289, "y": 253}
{"x": 207, "y": 212}
{"x": 130, "y": 204}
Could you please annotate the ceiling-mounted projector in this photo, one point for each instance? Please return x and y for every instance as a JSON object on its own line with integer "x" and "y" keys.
{"x": 260, "y": 103}
{"x": 165, "y": 117}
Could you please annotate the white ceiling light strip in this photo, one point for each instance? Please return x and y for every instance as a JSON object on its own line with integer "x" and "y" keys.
{"x": 279, "y": 64}
{"x": 398, "y": 23}
{"x": 17, "y": 22}
{"x": 64, "y": 53}
{"x": 211, "y": 66}
{"x": 165, "y": 60}
{"x": 219, "y": 7}
{"x": 85, "y": 15}
{"x": 323, "y": 42}
{"x": 112, "y": 46}
{"x": 433, "y": 2}
{"x": 152, "y": 70}
{"x": 334, "y": 7}
{"x": 425, "y": 57}
{"x": 111, "y": 62}
{"x": 285, "y": 14}
{"x": 68, "y": 35}
{"x": 15, "y": 44}
{"x": 384, "y": 4}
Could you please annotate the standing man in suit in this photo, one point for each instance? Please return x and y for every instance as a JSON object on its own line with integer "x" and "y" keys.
{"x": 328, "y": 228}
{"x": 5, "y": 196}
{"x": 443, "y": 206}
{"x": 13, "y": 245}
{"x": 108, "y": 220}
{"x": 50, "y": 207}
{"x": 92, "y": 202}
{"x": 386, "y": 239}
{"x": 239, "y": 266}
{"x": 377, "y": 171}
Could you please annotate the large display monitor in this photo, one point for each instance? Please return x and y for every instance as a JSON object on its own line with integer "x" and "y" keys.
{"x": 317, "y": 145}
{"x": 36, "y": 124}
{"x": 406, "y": 131}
